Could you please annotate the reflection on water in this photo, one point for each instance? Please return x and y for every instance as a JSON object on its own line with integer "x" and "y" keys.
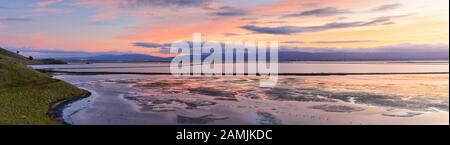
{"x": 387, "y": 99}
{"x": 363, "y": 99}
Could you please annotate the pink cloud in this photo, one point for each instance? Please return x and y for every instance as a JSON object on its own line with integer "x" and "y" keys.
{"x": 47, "y": 3}
{"x": 106, "y": 14}
{"x": 49, "y": 11}
{"x": 105, "y": 9}
{"x": 2, "y": 26}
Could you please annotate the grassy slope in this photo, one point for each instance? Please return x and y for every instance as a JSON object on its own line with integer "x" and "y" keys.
{"x": 25, "y": 94}
{"x": 5, "y": 54}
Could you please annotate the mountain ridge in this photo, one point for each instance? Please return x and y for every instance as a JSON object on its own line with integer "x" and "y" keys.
{"x": 289, "y": 56}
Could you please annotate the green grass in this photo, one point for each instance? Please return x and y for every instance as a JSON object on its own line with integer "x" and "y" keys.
{"x": 13, "y": 57}
{"x": 49, "y": 61}
{"x": 14, "y": 74}
{"x": 29, "y": 105}
{"x": 26, "y": 95}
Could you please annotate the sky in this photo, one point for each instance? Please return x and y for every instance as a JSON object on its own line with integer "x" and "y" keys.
{"x": 65, "y": 27}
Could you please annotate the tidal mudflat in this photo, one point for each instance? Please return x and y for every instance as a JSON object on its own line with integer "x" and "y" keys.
{"x": 153, "y": 99}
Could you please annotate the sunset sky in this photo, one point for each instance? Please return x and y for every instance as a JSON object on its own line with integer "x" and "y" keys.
{"x": 144, "y": 26}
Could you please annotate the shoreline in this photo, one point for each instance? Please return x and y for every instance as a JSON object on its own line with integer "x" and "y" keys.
{"x": 245, "y": 74}
{"x": 56, "y": 109}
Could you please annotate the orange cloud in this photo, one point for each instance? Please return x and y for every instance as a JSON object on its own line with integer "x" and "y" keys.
{"x": 168, "y": 32}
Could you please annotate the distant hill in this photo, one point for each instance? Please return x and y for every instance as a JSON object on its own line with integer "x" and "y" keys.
{"x": 290, "y": 56}
{"x": 119, "y": 58}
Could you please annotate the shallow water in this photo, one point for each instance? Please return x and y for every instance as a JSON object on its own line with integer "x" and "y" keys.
{"x": 361, "y": 99}
{"x": 141, "y": 99}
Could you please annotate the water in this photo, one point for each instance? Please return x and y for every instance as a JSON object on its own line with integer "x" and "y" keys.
{"x": 164, "y": 99}
{"x": 285, "y": 67}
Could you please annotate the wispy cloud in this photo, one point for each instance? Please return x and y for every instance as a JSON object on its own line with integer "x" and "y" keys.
{"x": 386, "y": 7}
{"x": 43, "y": 8}
{"x": 46, "y": 3}
{"x": 287, "y": 30}
{"x": 230, "y": 34}
{"x": 343, "y": 41}
{"x": 177, "y": 3}
{"x": 50, "y": 11}
{"x": 293, "y": 42}
{"x": 328, "y": 42}
{"x": 321, "y": 12}
{"x": 249, "y": 19}
{"x": 230, "y": 11}
{"x": 4, "y": 8}
{"x": 396, "y": 48}
{"x": 15, "y": 19}
{"x": 163, "y": 48}
{"x": 311, "y": 4}
{"x": 149, "y": 44}
{"x": 111, "y": 9}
